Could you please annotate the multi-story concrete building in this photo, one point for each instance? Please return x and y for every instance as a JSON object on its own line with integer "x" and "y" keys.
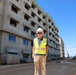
{"x": 62, "y": 53}
{"x": 53, "y": 39}
{"x": 19, "y": 20}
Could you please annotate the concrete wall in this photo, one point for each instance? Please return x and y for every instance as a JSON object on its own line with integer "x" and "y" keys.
{"x": 62, "y": 54}
{"x": 18, "y": 45}
{"x": 0, "y": 46}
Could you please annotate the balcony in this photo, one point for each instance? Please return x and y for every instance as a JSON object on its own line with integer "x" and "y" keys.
{"x": 49, "y": 21}
{"x": 28, "y": 2}
{"x": 44, "y": 18}
{"x": 34, "y": 19}
{"x": 33, "y": 25}
{"x": 44, "y": 25}
{"x": 34, "y": 10}
{"x": 26, "y": 23}
{"x": 56, "y": 31}
{"x": 39, "y": 13}
{"x": 17, "y": 3}
{"x": 27, "y": 11}
{"x": 41, "y": 25}
{"x": 50, "y": 30}
{"x": 14, "y": 15}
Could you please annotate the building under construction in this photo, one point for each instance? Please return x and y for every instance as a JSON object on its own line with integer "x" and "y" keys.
{"x": 19, "y": 20}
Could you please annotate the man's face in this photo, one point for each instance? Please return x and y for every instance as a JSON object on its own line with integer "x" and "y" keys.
{"x": 40, "y": 34}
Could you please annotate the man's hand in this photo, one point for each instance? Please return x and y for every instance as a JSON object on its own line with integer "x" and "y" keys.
{"x": 33, "y": 51}
{"x": 32, "y": 55}
{"x": 46, "y": 56}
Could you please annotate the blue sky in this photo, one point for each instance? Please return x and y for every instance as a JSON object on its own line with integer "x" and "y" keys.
{"x": 63, "y": 13}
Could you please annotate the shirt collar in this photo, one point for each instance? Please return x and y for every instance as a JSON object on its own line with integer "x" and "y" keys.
{"x": 41, "y": 38}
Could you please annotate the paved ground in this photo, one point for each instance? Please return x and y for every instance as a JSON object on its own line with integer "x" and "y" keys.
{"x": 53, "y": 68}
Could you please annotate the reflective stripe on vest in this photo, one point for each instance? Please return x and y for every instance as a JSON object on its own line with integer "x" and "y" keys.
{"x": 40, "y": 49}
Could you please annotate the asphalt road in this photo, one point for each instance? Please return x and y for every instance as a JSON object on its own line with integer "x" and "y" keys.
{"x": 53, "y": 68}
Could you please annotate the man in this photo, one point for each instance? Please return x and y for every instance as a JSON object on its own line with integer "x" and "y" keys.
{"x": 40, "y": 52}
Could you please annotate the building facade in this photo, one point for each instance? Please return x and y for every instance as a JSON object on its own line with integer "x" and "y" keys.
{"x": 62, "y": 53}
{"x": 19, "y": 20}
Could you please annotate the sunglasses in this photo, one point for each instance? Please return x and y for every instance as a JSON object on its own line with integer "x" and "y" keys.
{"x": 39, "y": 33}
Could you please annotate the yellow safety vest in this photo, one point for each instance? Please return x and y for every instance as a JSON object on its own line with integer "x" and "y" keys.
{"x": 40, "y": 49}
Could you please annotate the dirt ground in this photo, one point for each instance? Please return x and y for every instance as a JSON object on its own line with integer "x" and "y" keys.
{"x": 67, "y": 67}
